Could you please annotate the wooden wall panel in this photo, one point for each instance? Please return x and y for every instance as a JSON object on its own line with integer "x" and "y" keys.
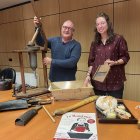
{"x": 3, "y": 38}
{"x": 14, "y": 59}
{"x": 69, "y": 5}
{"x": 51, "y": 25}
{"x": 15, "y": 36}
{"x": 119, "y": 0}
{"x": 133, "y": 66}
{"x": 1, "y": 17}
{"x": 126, "y": 22}
{"x": 132, "y": 88}
{"x": 83, "y": 62}
{"x": 29, "y": 30}
{"x": 3, "y": 59}
{"x": 80, "y": 75}
{"x": 48, "y": 7}
{"x": 42, "y": 7}
{"x": 12, "y": 14}
{"x": 91, "y": 3}
{"x": 28, "y": 11}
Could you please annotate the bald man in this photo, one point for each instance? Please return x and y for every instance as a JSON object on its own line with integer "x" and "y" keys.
{"x": 65, "y": 53}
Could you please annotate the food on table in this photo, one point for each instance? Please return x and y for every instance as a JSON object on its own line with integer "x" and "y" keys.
{"x": 109, "y": 106}
{"x": 121, "y": 106}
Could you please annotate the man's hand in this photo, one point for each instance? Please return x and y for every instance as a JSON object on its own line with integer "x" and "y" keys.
{"x": 37, "y": 22}
{"x": 47, "y": 61}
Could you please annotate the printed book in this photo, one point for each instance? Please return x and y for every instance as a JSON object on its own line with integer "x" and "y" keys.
{"x": 77, "y": 126}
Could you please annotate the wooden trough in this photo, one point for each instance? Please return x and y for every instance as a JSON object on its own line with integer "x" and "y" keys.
{"x": 69, "y": 90}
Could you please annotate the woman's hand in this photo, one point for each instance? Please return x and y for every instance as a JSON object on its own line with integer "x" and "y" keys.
{"x": 111, "y": 62}
{"x": 87, "y": 81}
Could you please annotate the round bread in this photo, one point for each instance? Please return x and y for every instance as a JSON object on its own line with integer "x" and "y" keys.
{"x": 106, "y": 102}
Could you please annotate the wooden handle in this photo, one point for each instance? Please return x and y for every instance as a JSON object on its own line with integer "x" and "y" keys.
{"x": 31, "y": 43}
{"x": 72, "y": 107}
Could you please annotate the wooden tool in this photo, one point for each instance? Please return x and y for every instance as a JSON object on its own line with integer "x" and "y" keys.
{"x": 32, "y": 50}
{"x": 45, "y": 45}
{"x": 32, "y": 42}
{"x": 61, "y": 111}
{"x": 101, "y": 73}
{"x": 48, "y": 114}
{"x": 41, "y": 30}
{"x": 27, "y": 116}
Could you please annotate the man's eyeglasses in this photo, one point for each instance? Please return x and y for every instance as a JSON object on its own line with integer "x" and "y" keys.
{"x": 67, "y": 28}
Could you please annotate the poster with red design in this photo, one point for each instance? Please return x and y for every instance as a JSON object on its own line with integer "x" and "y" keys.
{"x": 77, "y": 126}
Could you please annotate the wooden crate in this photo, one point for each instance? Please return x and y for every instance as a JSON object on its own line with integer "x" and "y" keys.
{"x": 69, "y": 90}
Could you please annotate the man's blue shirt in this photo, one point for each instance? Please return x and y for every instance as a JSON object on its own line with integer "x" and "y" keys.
{"x": 65, "y": 57}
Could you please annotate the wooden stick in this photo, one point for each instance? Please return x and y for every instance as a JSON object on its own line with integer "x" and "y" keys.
{"x": 49, "y": 114}
{"x": 61, "y": 111}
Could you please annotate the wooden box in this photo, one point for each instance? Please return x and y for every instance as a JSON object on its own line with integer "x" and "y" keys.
{"x": 101, "y": 73}
{"x": 69, "y": 90}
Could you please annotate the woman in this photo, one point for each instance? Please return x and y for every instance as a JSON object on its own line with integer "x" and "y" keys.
{"x": 112, "y": 49}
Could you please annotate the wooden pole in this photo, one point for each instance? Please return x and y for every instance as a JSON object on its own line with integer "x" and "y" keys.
{"x": 22, "y": 72}
{"x": 44, "y": 51}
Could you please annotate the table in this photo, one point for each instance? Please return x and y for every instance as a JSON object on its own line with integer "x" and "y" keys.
{"x": 41, "y": 126}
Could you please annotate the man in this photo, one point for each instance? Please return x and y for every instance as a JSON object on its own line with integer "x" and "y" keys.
{"x": 65, "y": 53}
